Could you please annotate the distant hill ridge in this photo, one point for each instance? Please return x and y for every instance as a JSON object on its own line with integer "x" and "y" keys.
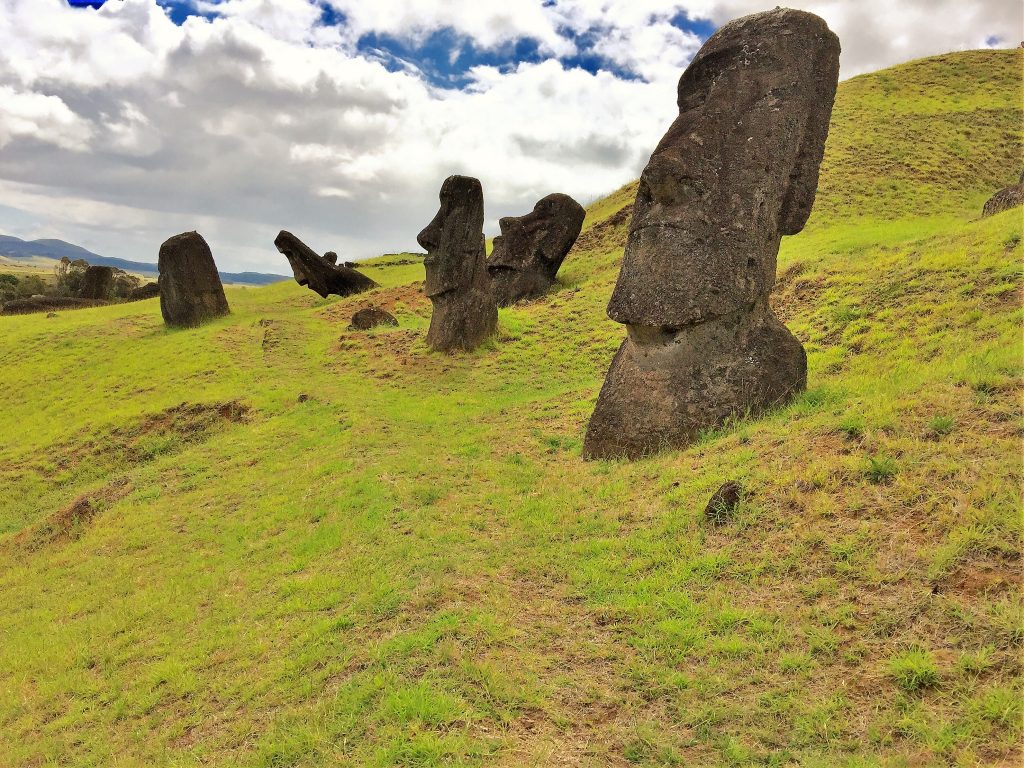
{"x": 49, "y": 248}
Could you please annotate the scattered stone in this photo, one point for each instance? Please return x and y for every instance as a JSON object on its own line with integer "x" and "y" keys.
{"x": 370, "y": 317}
{"x": 97, "y": 282}
{"x": 351, "y": 264}
{"x": 457, "y": 283}
{"x": 143, "y": 292}
{"x": 50, "y": 314}
{"x": 303, "y": 397}
{"x": 736, "y": 171}
{"x": 48, "y": 304}
{"x": 318, "y": 273}
{"x": 531, "y": 248}
{"x": 723, "y": 502}
{"x": 1005, "y": 199}
{"x": 189, "y": 285}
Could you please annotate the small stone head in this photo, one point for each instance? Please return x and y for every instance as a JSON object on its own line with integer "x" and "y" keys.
{"x": 539, "y": 240}
{"x": 454, "y": 239}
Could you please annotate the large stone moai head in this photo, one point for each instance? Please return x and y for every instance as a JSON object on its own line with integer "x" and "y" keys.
{"x": 736, "y": 171}
{"x": 531, "y": 248}
{"x": 319, "y": 273}
{"x": 457, "y": 284}
{"x": 97, "y": 282}
{"x": 190, "y": 289}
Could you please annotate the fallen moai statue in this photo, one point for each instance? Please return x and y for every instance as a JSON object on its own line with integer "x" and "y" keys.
{"x": 531, "y": 248}
{"x": 190, "y": 289}
{"x": 464, "y": 311}
{"x": 319, "y": 273}
{"x": 736, "y": 171}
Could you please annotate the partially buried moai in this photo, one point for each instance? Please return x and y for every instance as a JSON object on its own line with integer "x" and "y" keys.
{"x": 190, "y": 289}
{"x": 737, "y": 170}
{"x": 321, "y": 274}
{"x": 97, "y": 282}
{"x": 531, "y": 248}
{"x": 464, "y": 311}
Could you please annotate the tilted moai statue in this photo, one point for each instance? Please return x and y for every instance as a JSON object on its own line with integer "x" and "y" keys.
{"x": 190, "y": 289}
{"x": 531, "y": 248}
{"x": 319, "y": 273}
{"x": 737, "y": 170}
{"x": 457, "y": 282}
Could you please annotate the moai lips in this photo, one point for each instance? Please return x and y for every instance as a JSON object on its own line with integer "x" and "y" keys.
{"x": 457, "y": 283}
{"x": 736, "y": 171}
{"x": 531, "y": 248}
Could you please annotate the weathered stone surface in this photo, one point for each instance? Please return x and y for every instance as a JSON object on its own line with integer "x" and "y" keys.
{"x": 147, "y": 291}
{"x": 457, "y": 283}
{"x": 332, "y": 258}
{"x": 189, "y": 285}
{"x": 530, "y": 249}
{"x": 370, "y": 317}
{"x": 736, "y": 171}
{"x": 97, "y": 283}
{"x": 318, "y": 273}
{"x": 724, "y": 502}
{"x": 1005, "y": 199}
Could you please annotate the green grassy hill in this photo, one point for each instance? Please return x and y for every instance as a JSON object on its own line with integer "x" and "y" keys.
{"x": 274, "y": 542}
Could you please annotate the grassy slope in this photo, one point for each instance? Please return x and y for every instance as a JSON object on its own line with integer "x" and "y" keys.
{"x": 414, "y": 567}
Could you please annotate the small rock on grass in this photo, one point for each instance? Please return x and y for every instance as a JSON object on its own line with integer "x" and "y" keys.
{"x": 724, "y": 502}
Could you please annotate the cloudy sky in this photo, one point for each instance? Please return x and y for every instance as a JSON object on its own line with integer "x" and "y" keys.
{"x": 339, "y": 119}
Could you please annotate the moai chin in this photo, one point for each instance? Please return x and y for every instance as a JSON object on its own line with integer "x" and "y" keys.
{"x": 464, "y": 311}
{"x": 736, "y": 171}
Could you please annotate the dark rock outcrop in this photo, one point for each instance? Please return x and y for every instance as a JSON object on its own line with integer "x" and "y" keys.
{"x": 457, "y": 283}
{"x": 147, "y": 291}
{"x": 1005, "y": 199}
{"x": 189, "y": 285}
{"x": 48, "y": 304}
{"x": 723, "y": 502}
{"x": 97, "y": 283}
{"x": 530, "y": 249}
{"x": 318, "y": 273}
{"x": 370, "y": 317}
{"x": 736, "y": 171}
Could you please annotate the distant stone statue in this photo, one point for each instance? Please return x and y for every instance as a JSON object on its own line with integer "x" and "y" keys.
{"x": 736, "y": 171}
{"x": 457, "y": 282}
{"x": 97, "y": 282}
{"x": 190, "y": 289}
{"x": 147, "y": 291}
{"x": 531, "y": 248}
{"x": 1005, "y": 199}
{"x": 319, "y": 273}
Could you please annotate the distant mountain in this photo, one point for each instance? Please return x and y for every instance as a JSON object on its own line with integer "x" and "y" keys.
{"x": 16, "y": 248}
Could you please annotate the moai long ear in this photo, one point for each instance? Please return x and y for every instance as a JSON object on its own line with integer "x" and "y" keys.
{"x": 803, "y": 178}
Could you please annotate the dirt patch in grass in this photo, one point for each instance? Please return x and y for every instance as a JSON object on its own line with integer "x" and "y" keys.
{"x": 608, "y": 233}
{"x": 70, "y": 522}
{"x": 402, "y": 299}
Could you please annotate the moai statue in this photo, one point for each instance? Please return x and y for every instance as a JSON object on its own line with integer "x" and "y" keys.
{"x": 737, "y": 170}
{"x": 97, "y": 282}
{"x": 319, "y": 273}
{"x": 190, "y": 289}
{"x": 457, "y": 282}
{"x": 531, "y": 248}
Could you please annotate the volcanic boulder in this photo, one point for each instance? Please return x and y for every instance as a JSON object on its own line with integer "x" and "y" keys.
{"x": 190, "y": 289}
{"x": 147, "y": 291}
{"x": 370, "y": 317}
{"x": 531, "y": 248}
{"x": 97, "y": 283}
{"x": 457, "y": 284}
{"x": 319, "y": 273}
{"x": 1005, "y": 199}
{"x": 736, "y": 171}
